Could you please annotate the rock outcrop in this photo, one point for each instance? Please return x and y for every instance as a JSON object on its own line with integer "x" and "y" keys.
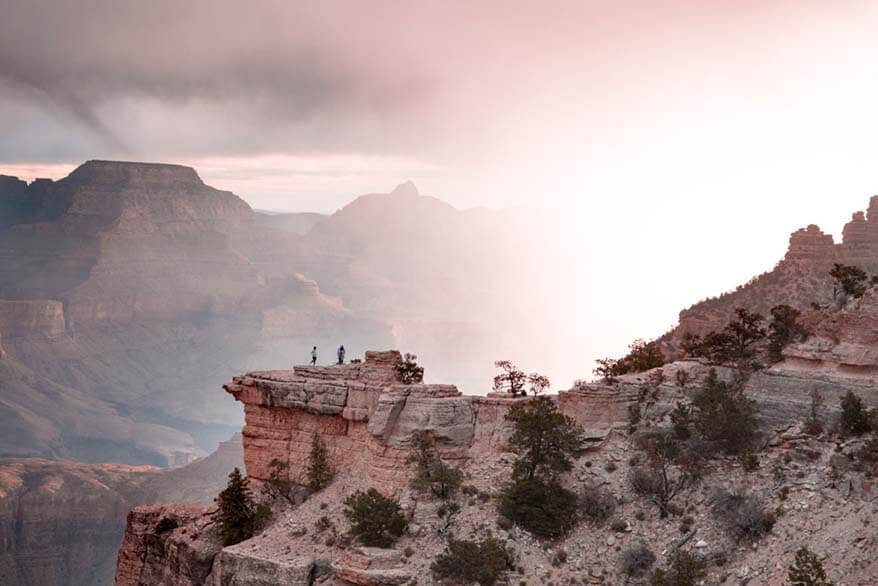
{"x": 366, "y": 419}
{"x": 61, "y": 522}
{"x": 799, "y": 279}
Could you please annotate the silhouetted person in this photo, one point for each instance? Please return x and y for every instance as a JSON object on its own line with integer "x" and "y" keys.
{"x": 341, "y": 354}
{"x": 314, "y": 355}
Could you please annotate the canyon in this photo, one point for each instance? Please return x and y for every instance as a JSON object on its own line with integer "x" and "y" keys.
{"x": 130, "y": 291}
{"x": 61, "y": 522}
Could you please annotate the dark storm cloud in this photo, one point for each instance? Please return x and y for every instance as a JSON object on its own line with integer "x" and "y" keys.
{"x": 285, "y": 77}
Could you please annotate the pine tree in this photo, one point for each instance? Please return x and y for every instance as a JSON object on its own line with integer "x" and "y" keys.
{"x": 377, "y": 521}
{"x": 319, "y": 472}
{"x": 808, "y": 570}
{"x": 239, "y": 516}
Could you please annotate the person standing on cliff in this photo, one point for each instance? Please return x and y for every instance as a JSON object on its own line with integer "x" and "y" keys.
{"x": 341, "y": 354}
{"x": 313, "y": 355}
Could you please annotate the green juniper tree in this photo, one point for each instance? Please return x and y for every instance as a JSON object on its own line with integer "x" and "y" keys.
{"x": 319, "y": 471}
{"x": 239, "y": 517}
{"x": 377, "y": 521}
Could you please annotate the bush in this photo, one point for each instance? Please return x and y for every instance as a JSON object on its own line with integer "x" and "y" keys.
{"x": 543, "y": 508}
{"x": 684, "y": 569}
{"x": 661, "y": 478}
{"x": 849, "y": 280}
{"x": 432, "y": 474}
{"x": 743, "y": 515}
{"x": 855, "y": 419}
{"x": 278, "y": 484}
{"x": 408, "y": 370}
{"x": 596, "y": 504}
{"x": 470, "y": 562}
{"x": 724, "y": 416}
{"x": 642, "y": 356}
{"x": 783, "y": 330}
{"x": 319, "y": 472}
{"x": 807, "y": 570}
{"x": 239, "y": 517}
{"x": 637, "y": 559}
{"x": 377, "y": 521}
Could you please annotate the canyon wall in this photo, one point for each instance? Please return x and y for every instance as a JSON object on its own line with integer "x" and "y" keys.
{"x": 61, "y": 522}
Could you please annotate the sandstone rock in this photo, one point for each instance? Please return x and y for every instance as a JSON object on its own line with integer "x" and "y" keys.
{"x": 236, "y": 568}
{"x": 158, "y": 547}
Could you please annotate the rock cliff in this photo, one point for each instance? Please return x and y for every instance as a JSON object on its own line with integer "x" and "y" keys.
{"x": 366, "y": 417}
{"x": 799, "y": 279}
{"x": 61, "y": 522}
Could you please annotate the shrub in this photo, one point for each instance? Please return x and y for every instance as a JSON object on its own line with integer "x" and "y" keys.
{"x": 749, "y": 461}
{"x": 849, "y": 280}
{"x": 855, "y": 419}
{"x": 278, "y": 484}
{"x": 807, "y": 570}
{"x": 408, "y": 370}
{"x": 784, "y": 329}
{"x": 723, "y": 415}
{"x": 596, "y": 504}
{"x": 660, "y": 478}
{"x": 432, "y": 474}
{"x": 642, "y": 356}
{"x": 377, "y": 521}
{"x": 544, "y": 508}
{"x": 813, "y": 425}
{"x": 319, "y": 472}
{"x": 239, "y": 517}
{"x": 560, "y": 558}
{"x": 637, "y": 559}
{"x": 743, "y": 515}
{"x": 471, "y": 562}
{"x": 611, "y": 466}
{"x": 684, "y": 569}
{"x": 619, "y": 525}
{"x": 544, "y": 439}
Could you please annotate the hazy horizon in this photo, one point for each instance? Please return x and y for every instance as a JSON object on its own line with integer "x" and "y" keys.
{"x": 680, "y": 142}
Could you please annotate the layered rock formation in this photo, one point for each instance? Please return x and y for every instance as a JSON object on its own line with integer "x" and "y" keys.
{"x": 799, "y": 279}
{"x": 61, "y": 522}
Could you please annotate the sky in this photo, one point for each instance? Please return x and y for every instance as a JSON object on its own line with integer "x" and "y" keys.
{"x": 681, "y": 141}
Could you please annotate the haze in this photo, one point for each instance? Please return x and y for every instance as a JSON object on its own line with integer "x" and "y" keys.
{"x": 679, "y": 141}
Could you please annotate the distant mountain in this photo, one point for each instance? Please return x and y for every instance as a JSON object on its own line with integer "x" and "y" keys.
{"x": 130, "y": 291}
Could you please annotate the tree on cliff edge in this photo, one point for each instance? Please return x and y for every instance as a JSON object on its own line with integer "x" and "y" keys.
{"x": 319, "y": 471}
{"x": 239, "y": 516}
